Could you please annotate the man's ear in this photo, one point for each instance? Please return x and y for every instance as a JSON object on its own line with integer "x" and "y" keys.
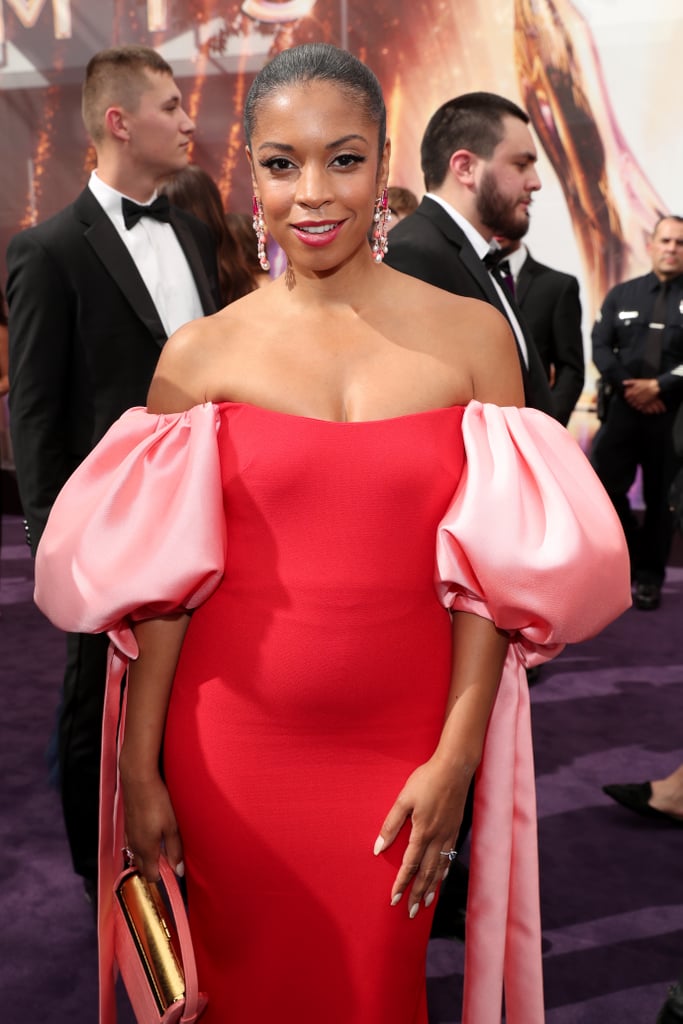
{"x": 462, "y": 165}
{"x": 116, "y": 123}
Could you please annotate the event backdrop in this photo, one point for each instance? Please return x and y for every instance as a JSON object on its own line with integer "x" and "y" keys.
{"x": 598, "y": 78}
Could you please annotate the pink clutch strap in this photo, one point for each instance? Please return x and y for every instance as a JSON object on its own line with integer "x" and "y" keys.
{"x": 154, "y": 955}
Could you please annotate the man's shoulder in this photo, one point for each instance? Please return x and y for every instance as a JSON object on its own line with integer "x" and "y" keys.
{"x": 549, "y": 274}
{"x": 55, "y": 229}
{"x": 633, "y": 286}
{"x": 428, "y": 233}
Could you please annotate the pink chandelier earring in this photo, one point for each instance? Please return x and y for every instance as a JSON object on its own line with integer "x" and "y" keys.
{"x": 259, "y": 226}
{"x": 381, "y": 217}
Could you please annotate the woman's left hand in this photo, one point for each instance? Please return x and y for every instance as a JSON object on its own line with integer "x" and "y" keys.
{"x": 433, "y": 798}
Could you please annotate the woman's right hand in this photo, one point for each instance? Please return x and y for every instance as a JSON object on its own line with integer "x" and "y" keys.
{"x": 150, "y": 824}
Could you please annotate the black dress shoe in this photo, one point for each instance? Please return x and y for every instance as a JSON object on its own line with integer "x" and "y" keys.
{"x": 636, "y": 796}
{"x": 672, "y": 1011}
{"x": 647, "y": 596}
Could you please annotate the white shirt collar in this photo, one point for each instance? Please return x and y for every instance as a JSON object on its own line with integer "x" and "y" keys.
{"x": 477, "y": 241}
{"x": 516, "y": 260}
{"x": 110, "y": 199}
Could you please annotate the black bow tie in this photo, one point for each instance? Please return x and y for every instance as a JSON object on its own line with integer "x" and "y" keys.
{"x": 132, "y": 212}
{"x": 492, "y": 258}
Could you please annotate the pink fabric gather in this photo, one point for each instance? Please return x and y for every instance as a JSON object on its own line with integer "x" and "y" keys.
{"x": 532, "y": 542}
{"x": 139, "y": 530}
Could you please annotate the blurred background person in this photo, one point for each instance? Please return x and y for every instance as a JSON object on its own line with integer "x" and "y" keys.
{"x": 638, "y": 350}
{"x": 241, "y": 231}
{"x": 4, "y": 358}
{"x": 4, "y": 388}
{"x": 550, "y": 304}
{"x": 402, "y": 202}
{"x": 194, "y": 190}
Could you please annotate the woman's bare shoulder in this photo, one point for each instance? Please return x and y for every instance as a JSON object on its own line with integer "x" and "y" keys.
{"x": 179, "y": 381}
{"x": 464, "y": 332}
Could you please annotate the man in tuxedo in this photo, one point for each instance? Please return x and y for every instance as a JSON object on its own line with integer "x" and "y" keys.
{"x": 94, "y": 292}
{"x": 479, "y": 167}
{"x": 549, "y": 302}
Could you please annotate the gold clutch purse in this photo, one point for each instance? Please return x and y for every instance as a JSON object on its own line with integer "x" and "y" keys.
{"x": 156, "y": 964}
{"x": 154, "y": 936}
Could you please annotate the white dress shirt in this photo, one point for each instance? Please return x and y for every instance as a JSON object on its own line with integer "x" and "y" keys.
{"x": 481, "y": 248}
{"x": 158, "y": 256}
{"x": 516, "y": 260}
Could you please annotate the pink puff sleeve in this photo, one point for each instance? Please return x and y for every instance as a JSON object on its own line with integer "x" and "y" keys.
{"x": 138, "y": 531}
{"x": 531, "y": 541}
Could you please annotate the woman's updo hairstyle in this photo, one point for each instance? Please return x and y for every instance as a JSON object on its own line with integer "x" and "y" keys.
{"x": 317, "y": 62}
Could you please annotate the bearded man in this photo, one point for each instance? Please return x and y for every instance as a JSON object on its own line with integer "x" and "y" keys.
{"x": 479, "y": 166}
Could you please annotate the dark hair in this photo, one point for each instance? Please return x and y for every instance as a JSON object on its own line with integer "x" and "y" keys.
{"x": 401, "y": 200}
{"x": 3, "y": 310}
{"x": 117, "y": 76}
{"x": 473, "y": 121}
{"x": 241, "y": 231}
{"x": 194, "y": 190}
{"x": 317, "y": 62}
{"x": 666, "y": 216}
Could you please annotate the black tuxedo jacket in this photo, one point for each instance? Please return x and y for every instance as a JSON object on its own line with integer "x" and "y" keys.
{"x": 550, "y": 304}
{"x": 429, "y": 245}
{"x": 84, "y": 340}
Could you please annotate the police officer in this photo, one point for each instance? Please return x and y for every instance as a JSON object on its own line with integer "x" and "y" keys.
{"x": 638, "y": 349}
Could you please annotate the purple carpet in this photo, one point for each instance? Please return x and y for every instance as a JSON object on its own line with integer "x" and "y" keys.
{"x": 608, "y": 710}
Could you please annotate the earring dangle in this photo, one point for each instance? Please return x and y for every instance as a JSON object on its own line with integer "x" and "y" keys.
{"x": 381, "y": 217}
{"x": 259, "y": 226}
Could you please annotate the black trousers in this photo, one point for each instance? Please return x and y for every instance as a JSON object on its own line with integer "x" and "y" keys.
{"x": 628, "y": 439}
{"x": 80, "y": 739}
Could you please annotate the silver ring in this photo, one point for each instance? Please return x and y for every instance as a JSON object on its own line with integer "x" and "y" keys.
{"x": 451, "y": 854}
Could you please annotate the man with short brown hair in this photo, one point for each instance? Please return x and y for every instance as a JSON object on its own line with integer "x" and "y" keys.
{"x": 94, "y": 292}
{"x": 479, "y": 165}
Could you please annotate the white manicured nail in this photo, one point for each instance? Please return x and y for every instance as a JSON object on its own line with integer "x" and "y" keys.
{"x": 180, "y": 869}
{"x": 429, "y": 899}
{"x": 413, "y": 910}
{"x": 396, "y": 899}
{"x": 379, "y": 845}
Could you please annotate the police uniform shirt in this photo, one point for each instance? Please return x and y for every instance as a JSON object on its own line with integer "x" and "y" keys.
{"x": 621, "y": 329}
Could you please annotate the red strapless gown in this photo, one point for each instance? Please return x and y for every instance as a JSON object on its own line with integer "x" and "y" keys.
{"x": 311, "y": 684}
{"x": 319, "y": 558}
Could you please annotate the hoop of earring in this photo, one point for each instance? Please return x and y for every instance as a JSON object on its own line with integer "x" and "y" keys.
{"x": 259, "y": 226}
{"x": 380, "y": 219}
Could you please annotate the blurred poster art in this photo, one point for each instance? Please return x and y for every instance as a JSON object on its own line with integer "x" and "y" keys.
{"x": 591, "y": 74}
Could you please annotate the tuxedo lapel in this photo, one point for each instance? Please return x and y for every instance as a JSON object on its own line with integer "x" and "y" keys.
{"x": 465, "y": 251}
{"x": 189, "y": 246}
{"x": 524, "y": 280}
{"x": 477, "y": 270}
{"x": 102, "y": 236}
{"x": 481, "y": 275}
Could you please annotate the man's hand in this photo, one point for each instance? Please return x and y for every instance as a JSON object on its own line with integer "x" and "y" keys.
{"x": 643, "y": 395}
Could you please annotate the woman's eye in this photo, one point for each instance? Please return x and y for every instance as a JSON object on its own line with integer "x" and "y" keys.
{"x": 277, "y": 163}
{"x": 348, "y": 159}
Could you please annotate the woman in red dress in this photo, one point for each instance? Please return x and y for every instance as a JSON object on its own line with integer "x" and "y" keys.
{"x": 338, "y": 541}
